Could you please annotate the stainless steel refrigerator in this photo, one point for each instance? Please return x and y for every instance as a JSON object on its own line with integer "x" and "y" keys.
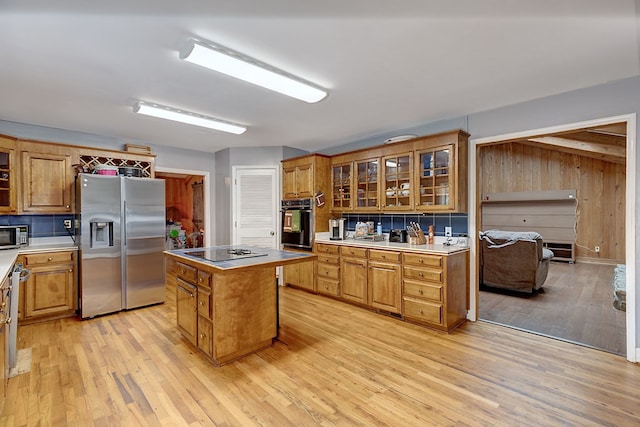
{"x": 122, "y": 236}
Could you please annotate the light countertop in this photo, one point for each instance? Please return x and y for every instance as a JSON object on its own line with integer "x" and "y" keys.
{"x": 438, "y": 247}
{"x": 47, "y": 244}
{"x": 273, "y": 257}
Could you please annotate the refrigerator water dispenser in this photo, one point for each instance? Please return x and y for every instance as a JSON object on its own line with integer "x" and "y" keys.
{"x": 101, "y": 234}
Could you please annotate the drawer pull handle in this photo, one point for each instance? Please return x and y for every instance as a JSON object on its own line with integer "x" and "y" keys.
{"x": 384, "y": 257}
{"x": 49, "y": 259}
{"x": 420, "y": 260}
{"x": 421, "y": 312}
{"x": 420, "y": 292}
{"x": 420, "y": 274}
{"x": 202, "y": 335}
{"x": 201, "y": 302}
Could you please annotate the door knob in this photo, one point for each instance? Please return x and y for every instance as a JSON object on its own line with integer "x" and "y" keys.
{"x": 272, "y": 233}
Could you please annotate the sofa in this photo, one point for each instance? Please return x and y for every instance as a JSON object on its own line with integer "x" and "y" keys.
{"x": 513, "y": 260}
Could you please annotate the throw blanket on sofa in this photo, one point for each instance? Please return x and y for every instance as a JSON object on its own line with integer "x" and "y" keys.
{"x": 620, "y": 287}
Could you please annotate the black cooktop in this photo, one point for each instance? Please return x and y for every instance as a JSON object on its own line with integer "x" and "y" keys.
{"x": 217, "y": 255}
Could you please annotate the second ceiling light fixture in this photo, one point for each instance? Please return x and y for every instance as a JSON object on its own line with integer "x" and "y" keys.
{"x": 234, "y": 64}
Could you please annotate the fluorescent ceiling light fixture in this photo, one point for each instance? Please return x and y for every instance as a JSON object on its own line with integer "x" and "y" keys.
{"x": 234, "y": 64}
{"x": 163, "y": 112}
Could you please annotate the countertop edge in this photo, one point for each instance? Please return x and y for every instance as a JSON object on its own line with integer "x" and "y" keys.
{"x": 256, "y": 262}
{"x": 437, "y": 248}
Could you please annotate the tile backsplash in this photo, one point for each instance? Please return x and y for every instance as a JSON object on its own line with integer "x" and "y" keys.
{"x": 457, "y": 221}
{"x": 40, "y": 225}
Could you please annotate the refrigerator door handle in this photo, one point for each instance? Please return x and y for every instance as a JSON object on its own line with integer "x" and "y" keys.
{"x": 124, "y": 223}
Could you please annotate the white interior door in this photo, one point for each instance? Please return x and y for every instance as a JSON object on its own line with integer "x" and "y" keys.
{"x": 255, "y": 206}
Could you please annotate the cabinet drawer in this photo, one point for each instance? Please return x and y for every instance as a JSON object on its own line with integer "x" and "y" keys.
{"x": 48, "y": 258}
{"x": 204, "y": 302}
{"x": 187, "y": 272}
{"x": 424, "y": 311}
{"x": 205, "y": 335}
{"x": 328, "y": 259}
{"x": 204, "y": 279}
{"x": 418, "y": 273}
{"x": 321, "y": 248}
{"x": 353, "y": 251}
{"x": 423, "y": 290}
{"x": 328, "y": 271}
{"x": 389, "y": 256}
{"x": 423, "y": 259}
{"x": 328, "y": 286}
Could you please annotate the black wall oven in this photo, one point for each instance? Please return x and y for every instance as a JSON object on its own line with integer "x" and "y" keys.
{"x": 297, "y": 223}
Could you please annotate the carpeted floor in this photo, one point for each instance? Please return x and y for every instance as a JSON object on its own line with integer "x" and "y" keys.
{"x": 576, "y": 305}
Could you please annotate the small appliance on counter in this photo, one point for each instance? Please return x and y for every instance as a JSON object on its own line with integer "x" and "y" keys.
{"x": 14, "y": 236}
{"x": 398, "y": 236}
{"x": 337, "y": 229}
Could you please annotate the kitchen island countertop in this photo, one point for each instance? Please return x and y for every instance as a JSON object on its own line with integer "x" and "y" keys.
{"x": 272, "y": 257}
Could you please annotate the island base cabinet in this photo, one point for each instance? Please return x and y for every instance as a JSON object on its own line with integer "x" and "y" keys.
{"x": 229, "y": 313}
{"x": 205, "y": 335}
{"x": 186, "y": 310}
{"x": 244, "y": 312}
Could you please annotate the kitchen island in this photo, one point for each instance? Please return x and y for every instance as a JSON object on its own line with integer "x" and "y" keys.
{"x": 227, "y": 297}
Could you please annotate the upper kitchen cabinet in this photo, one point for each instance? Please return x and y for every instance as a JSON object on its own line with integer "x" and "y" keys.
{"x": 8, "y": 175}
{"x": 367, "y": 184}
{"x": 303, "y": 177}
{"x": 47, "y": 178}
{"x": 398, "y": 194}
{"x": 440, "y": 174}
{"x": 425, "y": 174}
{"x": 341, "y": 183}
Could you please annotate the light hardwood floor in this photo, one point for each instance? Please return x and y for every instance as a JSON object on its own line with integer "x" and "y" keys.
{"x": 576, "y": 305}
{"x": 334, "y": 364}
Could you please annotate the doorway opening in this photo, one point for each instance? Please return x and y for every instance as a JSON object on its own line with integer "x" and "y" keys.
{"x": 586, "y": 285}
{"x": 187, "y": 207}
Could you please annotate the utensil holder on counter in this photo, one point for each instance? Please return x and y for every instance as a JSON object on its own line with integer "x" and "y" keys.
{"x": 418, "y": 239}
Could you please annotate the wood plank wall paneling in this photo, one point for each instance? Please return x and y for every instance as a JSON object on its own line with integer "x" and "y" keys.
{"x": 600, "y": 187}
{"x": 179, "y": 200}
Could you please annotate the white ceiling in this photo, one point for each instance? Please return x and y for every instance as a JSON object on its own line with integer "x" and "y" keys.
{"x": 388, "y": 65}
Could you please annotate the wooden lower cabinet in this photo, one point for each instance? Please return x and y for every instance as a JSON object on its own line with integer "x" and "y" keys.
{"x": 205, "y": 335}
{"x": 299, "y": 275}
{"x": 426, "y": 288}
{"x": 434, "y": 289}
{"x": 384, "y": 286}
{"x": 327, "y": 270}
{"x": 187, "y": 310}
{"x": 224, "y": 314}
{"x": 51, "y": 290}
{"x": 353, "y": 279}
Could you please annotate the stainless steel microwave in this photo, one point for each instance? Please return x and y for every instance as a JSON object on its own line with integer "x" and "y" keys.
{"x": 14, "y": 236}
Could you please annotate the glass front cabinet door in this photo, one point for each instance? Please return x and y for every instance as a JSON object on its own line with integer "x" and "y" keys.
{"x": 434, "y": 178}
{"x": 7, "y": 177}
{"x": 341, "y": 187}
{"x": 397, "y": 193}
{"x": 367, "y": 194}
